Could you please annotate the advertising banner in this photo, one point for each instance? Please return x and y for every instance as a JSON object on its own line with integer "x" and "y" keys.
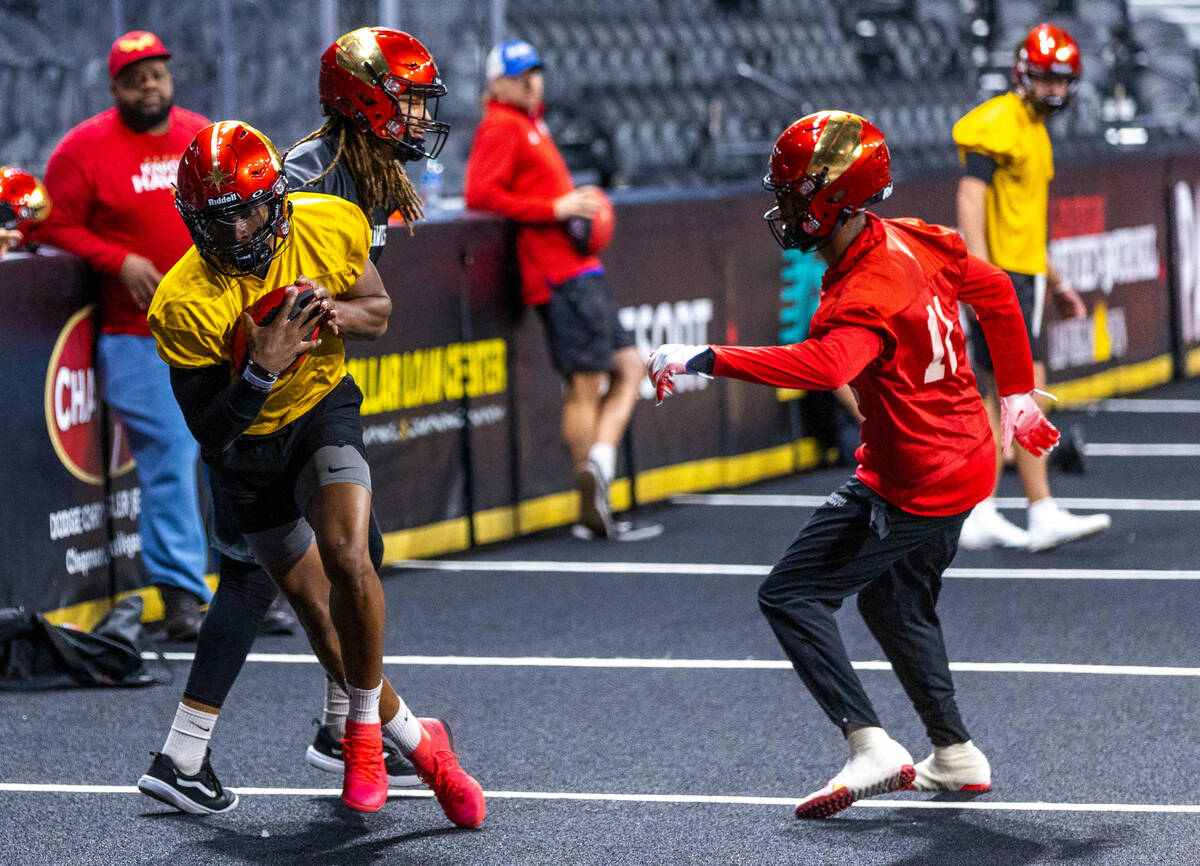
{"x": 73, "y": 504}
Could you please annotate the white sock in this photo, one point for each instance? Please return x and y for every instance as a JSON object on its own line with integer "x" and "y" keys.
{"x": 605, "y": 458}
{"x": 985, "y": 508}
{"x": 404, "y": 728}
{"x": 364, "y": 704}
{"x": 337, "y": 706}
{"x": 866, "y": 738}
{"x": 188, "y": 739}
{"x": 1042, "y": 509}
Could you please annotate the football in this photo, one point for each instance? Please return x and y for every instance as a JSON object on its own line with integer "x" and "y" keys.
{"x": 263, "y": 312}
{"x": 603, "y": 224}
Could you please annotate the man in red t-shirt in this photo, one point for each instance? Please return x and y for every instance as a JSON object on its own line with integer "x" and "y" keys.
{"x": 515, "y": 169}
{"x": 110, "y": 179}
{"x": 886, "y": 324}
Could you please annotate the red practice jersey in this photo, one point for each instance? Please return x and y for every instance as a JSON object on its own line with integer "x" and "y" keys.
{"x": 515, "y": 169}
{"x": 113, "y": 194}
{"x": 887, "y": 324}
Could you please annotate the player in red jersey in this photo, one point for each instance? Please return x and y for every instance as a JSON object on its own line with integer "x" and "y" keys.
{"x": 886, "y": 324}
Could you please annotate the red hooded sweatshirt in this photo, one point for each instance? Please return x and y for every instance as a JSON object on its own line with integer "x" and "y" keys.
{"x": 887, "y": 324}
{"x": 515, "y": 169}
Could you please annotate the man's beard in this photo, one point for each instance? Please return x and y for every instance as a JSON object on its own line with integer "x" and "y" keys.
{"x": 140, "y": 121}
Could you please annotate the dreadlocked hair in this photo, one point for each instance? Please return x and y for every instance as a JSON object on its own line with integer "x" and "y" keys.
{"x": 379, "y": 180}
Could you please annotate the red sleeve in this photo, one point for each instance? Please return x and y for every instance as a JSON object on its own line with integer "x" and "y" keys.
{"x": 71, "y": 196}
{"x": 818, "y": 364}
{"x": 491, "y": 167}
{"x": 990, "y": 292}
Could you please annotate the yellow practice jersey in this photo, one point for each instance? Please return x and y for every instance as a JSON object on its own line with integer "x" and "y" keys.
{"x": 195, "y": 309}
{"x": 1006, "y": 130}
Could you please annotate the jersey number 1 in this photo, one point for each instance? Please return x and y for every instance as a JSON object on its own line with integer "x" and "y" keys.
{"x": 942, "y": 349}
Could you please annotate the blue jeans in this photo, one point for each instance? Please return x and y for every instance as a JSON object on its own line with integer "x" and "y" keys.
{"x": 136, "y": 383}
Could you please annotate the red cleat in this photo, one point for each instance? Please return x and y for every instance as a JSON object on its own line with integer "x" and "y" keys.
{"x": 459, "y": 795}
{"x": 365, "y": 783}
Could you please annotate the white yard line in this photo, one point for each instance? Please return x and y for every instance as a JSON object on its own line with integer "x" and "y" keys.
{"x": 698, "y": 799}
{"x": 539, "y": 566}
{"x": 785, "y": 500}
{"x": 1144, "y": 406}
{"x": 714, "y": 664}
{"x": 1142, "y": 449}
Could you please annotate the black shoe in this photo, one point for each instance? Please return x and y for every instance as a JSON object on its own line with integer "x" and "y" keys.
{"x": 325, "y": 753}
{"x": 181, "y": 616}
{"x": 278, "y": 619}
{"x": 1067, "y": 456}
{"x": 200, "y": 794}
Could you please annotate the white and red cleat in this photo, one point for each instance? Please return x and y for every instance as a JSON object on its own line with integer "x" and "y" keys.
{"x": 960, "y": 767}
{"x": 877, "y": 765}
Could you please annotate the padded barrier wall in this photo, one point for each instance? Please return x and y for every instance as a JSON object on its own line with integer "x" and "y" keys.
{"x": 461, "y": 408}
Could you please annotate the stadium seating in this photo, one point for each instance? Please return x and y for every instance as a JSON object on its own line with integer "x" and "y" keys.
{"x": 639, "y": 92}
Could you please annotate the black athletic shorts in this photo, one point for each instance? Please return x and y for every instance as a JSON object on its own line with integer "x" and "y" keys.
{"x": 1026, "y": 286}
{"x": 582, "y": 327}
{"x": 259, "y": 473}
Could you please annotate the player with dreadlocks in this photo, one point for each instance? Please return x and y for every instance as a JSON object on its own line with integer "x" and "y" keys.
{"x": 380, "y": 88}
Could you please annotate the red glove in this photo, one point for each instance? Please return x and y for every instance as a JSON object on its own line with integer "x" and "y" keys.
{"x": 668, "y": 361}
{"x": 1020, "y": 416}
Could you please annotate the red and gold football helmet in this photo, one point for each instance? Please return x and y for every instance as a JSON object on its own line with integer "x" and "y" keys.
{"x": 824, "y": 168}
{"x": 232, "y": 194}
{"x": 386, "y": 83}
{"x": 1048, "y": 53}
{"x": 23, "y": 200}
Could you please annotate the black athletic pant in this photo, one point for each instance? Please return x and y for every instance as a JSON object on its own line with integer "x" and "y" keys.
{"x": 234, "y": 617}
{"x": 857, "y": 542}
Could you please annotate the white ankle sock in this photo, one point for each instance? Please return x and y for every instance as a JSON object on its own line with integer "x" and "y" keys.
{"x": 188, "y": 739}
{"x": 605, "y": 458}
{"x": 364, "y": 704}
{"x": 866, "y": 738}
{"x": 1042, "y": 509}
{"x": 985, "y": 508}
{"x": 337, "y": 706}
{"x": 404, "y": 728}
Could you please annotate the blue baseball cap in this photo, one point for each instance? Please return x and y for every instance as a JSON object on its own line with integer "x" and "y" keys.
{"x": 511, "y": 58}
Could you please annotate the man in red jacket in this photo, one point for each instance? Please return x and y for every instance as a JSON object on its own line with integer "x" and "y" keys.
{"x": 887, "y": 325}
{"x": 515, "y": 169}
{"x": 110, "y": 179}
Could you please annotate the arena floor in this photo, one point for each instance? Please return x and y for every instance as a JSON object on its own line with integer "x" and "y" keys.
{"x": 627, "y": 704}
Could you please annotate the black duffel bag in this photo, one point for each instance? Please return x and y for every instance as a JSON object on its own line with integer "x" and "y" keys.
{"x": 36, "y": 655}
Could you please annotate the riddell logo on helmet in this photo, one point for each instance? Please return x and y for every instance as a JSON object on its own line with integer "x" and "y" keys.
{"x": 228, "y": 198}
{"x": 72, "y": 402}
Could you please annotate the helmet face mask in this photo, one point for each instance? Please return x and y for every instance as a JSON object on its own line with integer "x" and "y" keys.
{"x": 385, "y": 82}
{"x": 1046, "y": 69}
{"x": 824, "y": 169}
{"x": 232, "y": 195}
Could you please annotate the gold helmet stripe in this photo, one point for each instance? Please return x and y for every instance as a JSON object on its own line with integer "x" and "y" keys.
{"x": 839, "y": 145}
{"x": 358, "y": 48}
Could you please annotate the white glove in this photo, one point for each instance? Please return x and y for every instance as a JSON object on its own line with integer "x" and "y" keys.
{"x": 668, "y": 361}
{"x": 1020, "y": 416}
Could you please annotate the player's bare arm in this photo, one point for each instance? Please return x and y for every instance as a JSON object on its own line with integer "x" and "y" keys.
{"x": 971, "y": 194}
{"x": 360, "y": 314}
{"x": 1066, "y": 300}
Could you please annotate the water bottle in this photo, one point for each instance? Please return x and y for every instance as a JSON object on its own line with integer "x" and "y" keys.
{"x": 431, "y": 185}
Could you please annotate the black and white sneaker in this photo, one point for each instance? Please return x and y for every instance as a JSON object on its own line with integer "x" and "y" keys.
{"x": 200, "y": 794}
{"x": 325, "y": 753}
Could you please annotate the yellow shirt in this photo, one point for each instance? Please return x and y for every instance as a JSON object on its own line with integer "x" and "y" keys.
{"x": 195, "y": 309}
{"x": 1016, "y": 205}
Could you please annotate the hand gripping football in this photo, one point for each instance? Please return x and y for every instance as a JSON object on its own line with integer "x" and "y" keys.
{"x": 263, "y": 312}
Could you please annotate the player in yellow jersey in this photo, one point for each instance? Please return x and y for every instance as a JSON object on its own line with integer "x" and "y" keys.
{"x": 1003, "y": 201}
{"x": 283, "y": 440}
